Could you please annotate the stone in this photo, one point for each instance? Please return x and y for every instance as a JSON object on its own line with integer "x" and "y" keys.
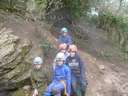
{"x": 14, "y": 67}
{"x": 101, "y": 67}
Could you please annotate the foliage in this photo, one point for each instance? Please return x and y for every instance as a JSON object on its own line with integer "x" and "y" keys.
{"x": 13, "y": 5}
{"x": 108, "y": 20}
{"x": 116, "y": 27}
{"x": 41, "y": 4}
{"x": 47, "y": 48}
{"x": 76, "y": 7}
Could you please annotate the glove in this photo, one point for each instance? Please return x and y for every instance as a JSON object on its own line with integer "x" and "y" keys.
{"x": 83, "y": 86}
{"x": 67, "y": 95}
{"x": 56, "y": 40}
{"x": 35, "y": 93}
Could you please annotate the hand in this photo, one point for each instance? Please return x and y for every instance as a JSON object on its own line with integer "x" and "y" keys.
{"x": 35, "y": 93}
{"x": 56, "y": 40}
{"x": 67, "y": 95}
{"x": 84, "y": 84}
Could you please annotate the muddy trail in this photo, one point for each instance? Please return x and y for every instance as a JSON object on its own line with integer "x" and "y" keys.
{"x": 106, "y": 77}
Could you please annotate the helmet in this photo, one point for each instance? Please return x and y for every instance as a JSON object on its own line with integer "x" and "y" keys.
{"x": 72, "y": 48}
{"x": 37, "y": 60}
{"x": 62, "y": 46}
{"x": 60, "y": 56}
{"x": 64, "y": 29}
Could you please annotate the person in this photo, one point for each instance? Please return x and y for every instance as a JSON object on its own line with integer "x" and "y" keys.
{"x": 77, "y": 67}
{"x": 39, "y": 76}
{"x": 65, "y": 37}
{"x": 62, "y": 48}
{"x": 61, "y": 78}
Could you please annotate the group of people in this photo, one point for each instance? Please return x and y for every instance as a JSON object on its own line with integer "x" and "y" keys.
{"x": 68, "y": 70}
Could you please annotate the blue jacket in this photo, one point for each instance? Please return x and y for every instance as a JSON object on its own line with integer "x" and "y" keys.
{"x": 65, "y": 39}
{"x": 63, "y": 73}
{"x": 77, "y": 68}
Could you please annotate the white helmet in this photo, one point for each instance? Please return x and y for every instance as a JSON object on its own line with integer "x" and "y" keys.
{"x": 37, "y": 60}
{"x": 60, "y": 56}
{"x": 64, "y": 29}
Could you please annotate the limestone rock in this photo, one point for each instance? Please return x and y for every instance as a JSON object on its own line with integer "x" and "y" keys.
{"x": 14, "y": 66}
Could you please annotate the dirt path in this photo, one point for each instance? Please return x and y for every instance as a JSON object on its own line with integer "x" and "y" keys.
{"x": 103, "y": 79}
{"x": 106, "y": 77}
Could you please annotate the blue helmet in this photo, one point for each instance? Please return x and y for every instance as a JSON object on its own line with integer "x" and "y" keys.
{"x": 64, "y": 29}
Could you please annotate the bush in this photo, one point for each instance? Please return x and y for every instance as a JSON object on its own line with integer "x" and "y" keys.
{"x": 13, "y": 5}
{"x": 48, "y": 49}
{"x": 41, "y": 5}
{"x": 76, "y": 7}
{"x": 116, "y": 27}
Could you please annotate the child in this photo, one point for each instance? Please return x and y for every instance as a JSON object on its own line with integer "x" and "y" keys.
{"x": 61, "y": 78}
{"x": 39, "y": 75}
{"x": 76, "y": 65}
{"x": 65, "y": 37}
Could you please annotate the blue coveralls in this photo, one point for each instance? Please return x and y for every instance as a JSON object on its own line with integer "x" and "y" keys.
{"x": 78, "y": 77}
{"x": 65, "y": 39}
{"x": 59, "y": 73}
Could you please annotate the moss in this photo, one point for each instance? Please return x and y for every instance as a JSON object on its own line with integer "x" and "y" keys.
{"x": 13, "y": 5}
{"x": 48, "y": 49}
{"x": 20, "y": 92}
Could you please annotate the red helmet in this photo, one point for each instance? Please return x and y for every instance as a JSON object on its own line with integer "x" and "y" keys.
{"x": 72, "y": 48}
{"x": 62, "y": 46}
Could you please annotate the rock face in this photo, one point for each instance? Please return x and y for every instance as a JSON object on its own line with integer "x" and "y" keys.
{"x": 14, "y": 62}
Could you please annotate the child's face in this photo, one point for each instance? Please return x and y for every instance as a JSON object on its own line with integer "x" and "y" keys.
{"x": 37, "y": 66}
{"x": 60, "y": 62}
{"x": 65, "y": 33}
{"x": 63, "y": 50}
{"x": 72, "y": 53}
